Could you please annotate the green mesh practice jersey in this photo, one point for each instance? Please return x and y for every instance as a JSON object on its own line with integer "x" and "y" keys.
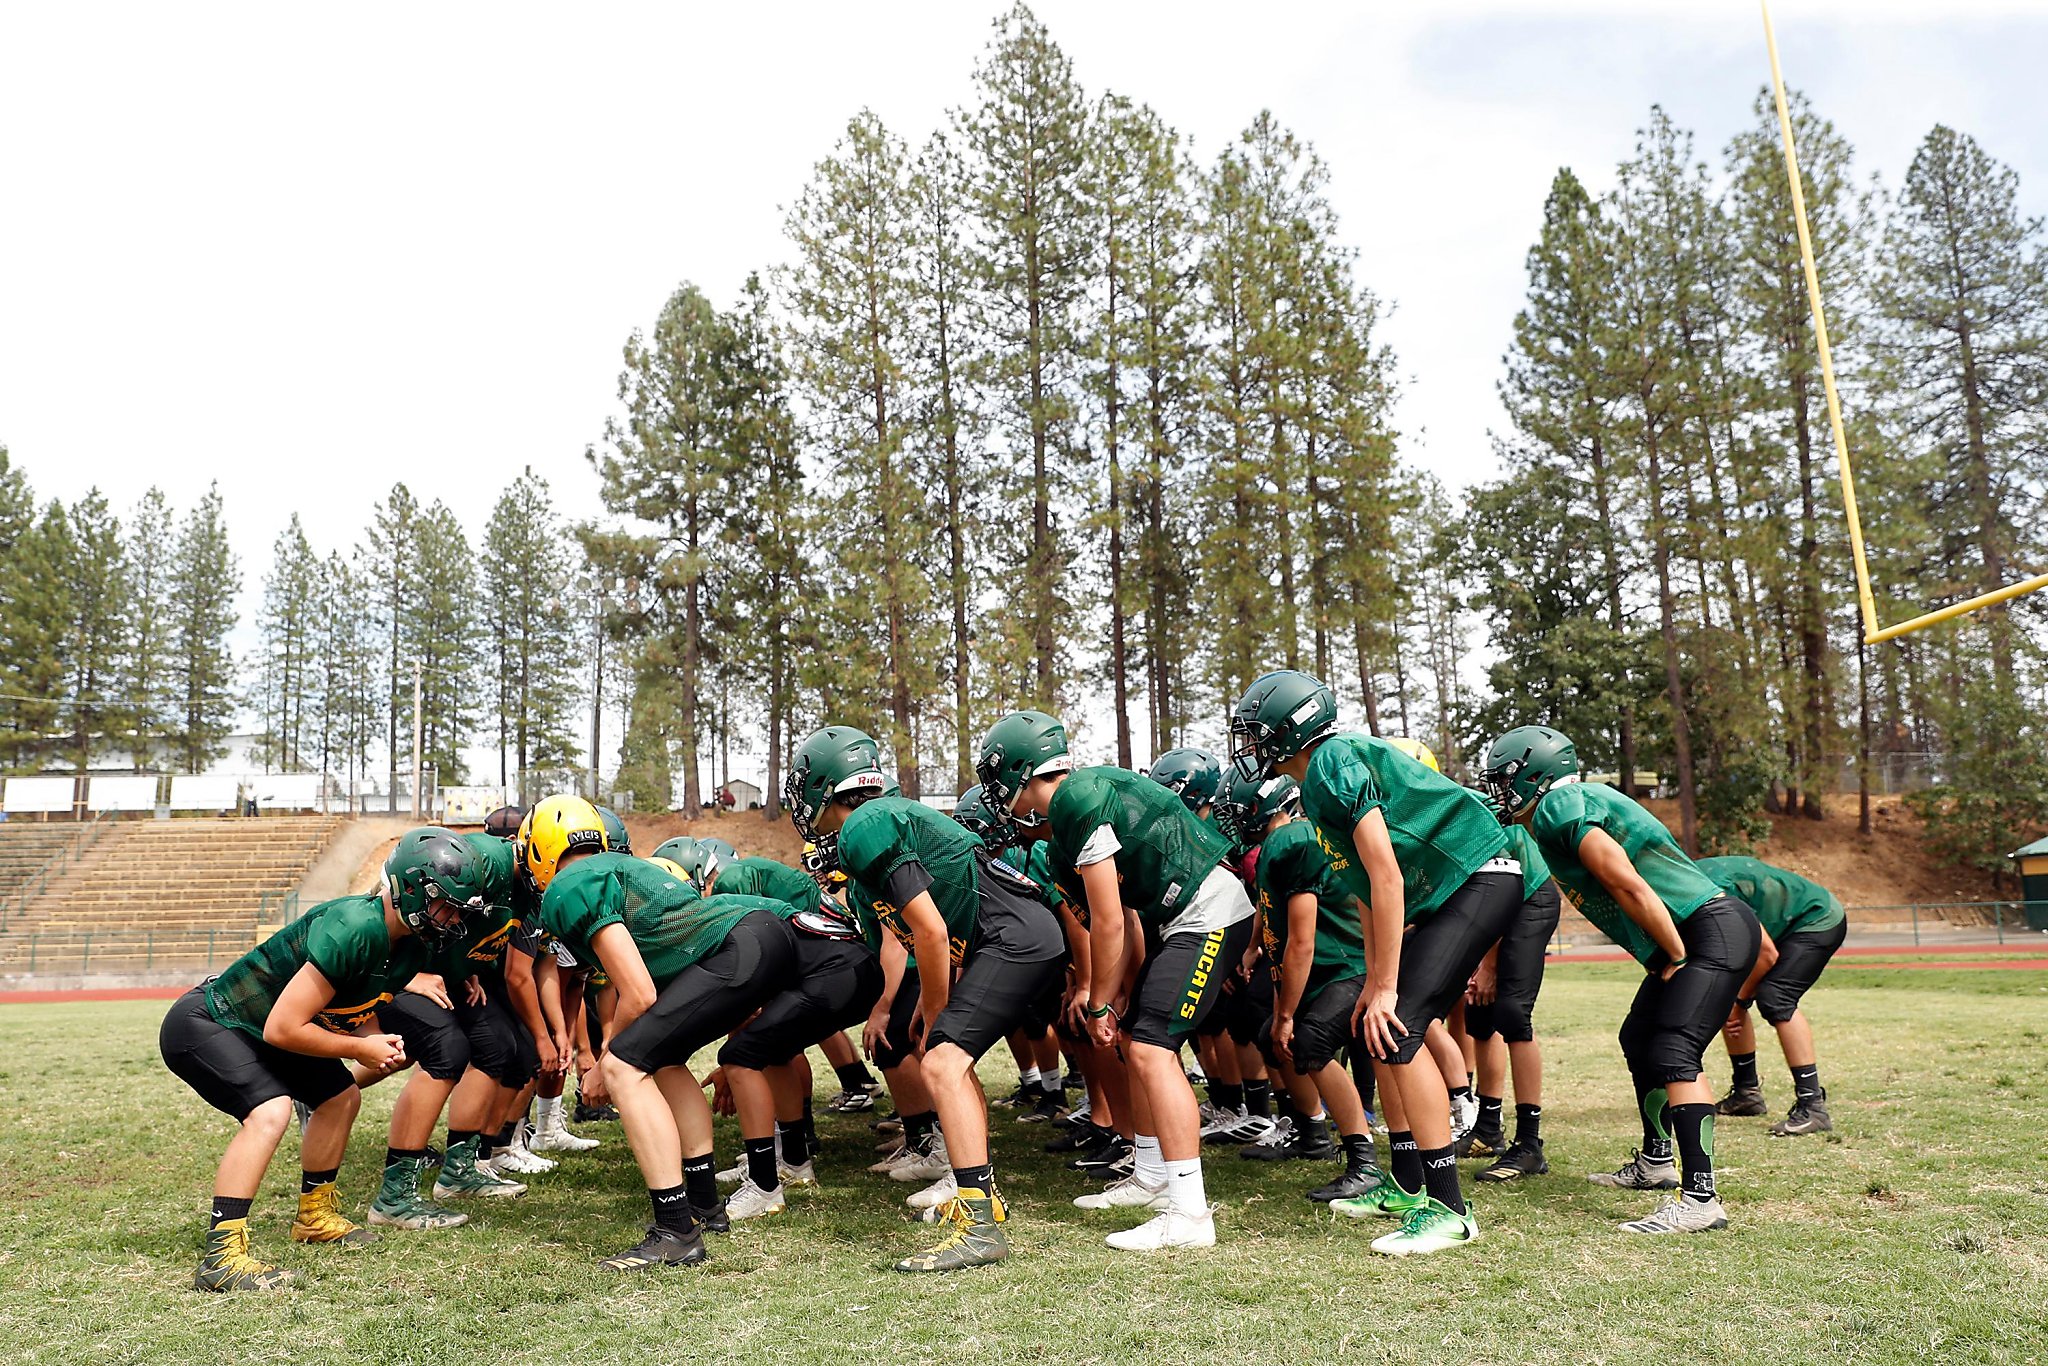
{"x": 671, "y": 925}
{"x": 1522, "y": 848}
{"x": 1291, "y": 862}
{"x": 1785, "y": 902}
{"x": 1164, "y": 853}
{"x": 347, "y": 941}
{"x": 1441, "y": 832}
{"x": 1563, "y": 817}
{"x": 1038, "y": 867}
{"x": 878, "y": 845}
{"x": 774, "y": 880}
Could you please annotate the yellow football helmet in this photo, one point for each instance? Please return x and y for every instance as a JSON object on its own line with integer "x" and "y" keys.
{"x": 557, "y": 826}
{"x": 671, "y": 867}
{"x": 1416, "y": 750}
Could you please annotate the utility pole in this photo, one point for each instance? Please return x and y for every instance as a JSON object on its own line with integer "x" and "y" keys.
{"x": 418, "y": 674}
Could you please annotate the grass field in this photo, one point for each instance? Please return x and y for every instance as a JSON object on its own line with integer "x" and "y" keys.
{"x": 1919, "y": 1230}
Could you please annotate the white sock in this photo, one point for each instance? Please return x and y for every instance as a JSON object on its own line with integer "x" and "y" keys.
{"x": 550, "y": 1110}
{"x": 1028, "y": 1076}
{"x": 1185, "y": 1193}
{"x": 1150, "y": 1167}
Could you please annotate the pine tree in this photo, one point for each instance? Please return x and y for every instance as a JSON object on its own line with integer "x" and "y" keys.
{"x": 528, "y": 569}
{"x": 1027, "y": 132}
{"x": 204, "y": 585}
{"x": 26, "y": 651}
{"x": 151, "y": 543}
{"x": 391, "y": 562}
{"x": 351, "y": 689}
{"x": 94, "y": 594}
{"x": 290, "y": 627}
{"x": 439, "y": 637}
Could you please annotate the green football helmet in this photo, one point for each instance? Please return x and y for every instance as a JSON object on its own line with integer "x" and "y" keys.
{"x": 974, "y": 810}
{"x": 616, "y": 840}
{"x": 1246, "y": 804}
{"x": 677, "y": 850}
{"x": 703, "y": 862}
{"x": 1017, "y": 749}
{"x": 832, "y": 763}
{"x": 431, "y": 865}
{"x": 501, "y": 866}
{"x": 1280, "y": 715}
{"x": 1524, "y": 764}
{"x": 1194, "y": 775}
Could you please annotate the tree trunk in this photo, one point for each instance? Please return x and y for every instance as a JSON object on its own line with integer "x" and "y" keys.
{"x": 1625, "y": 721}
{"x": 1674, "y": 679}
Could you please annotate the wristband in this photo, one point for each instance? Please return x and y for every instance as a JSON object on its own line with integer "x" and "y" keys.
{"x": 1097, "y": 1012}
{"x": 1679, "y": 962}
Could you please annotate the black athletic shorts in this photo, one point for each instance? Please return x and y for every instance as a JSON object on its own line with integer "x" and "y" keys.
{"x": 1181, "y": 981}
{"x": 712, "y": 997}
{"x": 1245, "y": 1009}
{"x": 499, "y": 1046}
{"x": 434, "y": 1038}
{"x": 1802, "y": 955}
{"x": 1671, "y": 1023}
{"x": 1321, "y": 1028}
{"x": 1518, "y": 972}
{"x": 993, "y": 997}
{"x": 235, "y": 1073}
{"x": 836, "y": 983}
{"x": 1440, "y": 952}
{"x": 896, "y": 1044}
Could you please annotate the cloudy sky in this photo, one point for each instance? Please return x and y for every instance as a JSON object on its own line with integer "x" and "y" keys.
{"x": 308, "y": 251}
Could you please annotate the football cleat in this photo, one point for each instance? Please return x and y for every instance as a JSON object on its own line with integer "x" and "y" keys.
{"x": 320, "y": 1220}
{"x": 661, "y": 1247}
{"x": 552, "y": 1135}
{"x": 1221, "y": 1121}
{"x": 228, "y": 1265}
{"x": 1680, "y": 1214}
{"x": 1742, "y": 1100}
{"x": 1350, "y": 1186}
{"x": 1640, "y": 1173}
{"x": 1129, "y": 1193}
{"x": 1168, "y": 1228}
{"x": 461, "y": 1175}
{"x": 1429, "y": 1227}
{"x": 1384, "y": 1201}
{"x": 1520, "y": 1160}
{"x": 1809, "y": 1115}
{"x": 936, "y": 1194}
{"x": 851, "y": 1102}
{"x": 751, "y": 1202}
{"x": 977, "y": 1238}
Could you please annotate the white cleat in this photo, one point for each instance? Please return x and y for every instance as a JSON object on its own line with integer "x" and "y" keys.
{"x": 802, "y": 1174}
{"x": 553, "y": 1136}
{"x": 929, "y": 1165}
{"x": 1464, "y": 1114}
{"x": 751, "y": 1202}
{"x": 1680, "y": 1215}
{"x": 1129, "y": 1193}
{"x": 1168, "y": 1228}
{"x": 521, "y": 1158}
{"x": 889, "y": 1164}
{"x": 934, "y": 1195}
{"x": 1220, "y": 1122}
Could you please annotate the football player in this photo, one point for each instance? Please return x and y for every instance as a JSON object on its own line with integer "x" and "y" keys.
{"x": 1500, "y": 1008}
{"x": 1150, "y": 875}
{"x": 1417, "y": 850}
{"x": 279, "y": 1025}
{"x": 1803, "y": 926}
{"x": 1623, "y": 871}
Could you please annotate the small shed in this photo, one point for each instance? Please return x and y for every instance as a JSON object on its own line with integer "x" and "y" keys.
{"x": 2033, "y": 868}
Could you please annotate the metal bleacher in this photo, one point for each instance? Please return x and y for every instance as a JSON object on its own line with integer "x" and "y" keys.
{"x": 153, "y": 896}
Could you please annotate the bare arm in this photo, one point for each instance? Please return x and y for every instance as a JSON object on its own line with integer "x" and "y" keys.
{"x": 290, "y": 1026}
{"x": 1105, "y": 931}
{"x": 934, "y": 955}
{"x": 524, "y": 993}
{"x": 1609, "y": 862}
{"x": 628, "y": 970}
{"x": 1766, "y": 959}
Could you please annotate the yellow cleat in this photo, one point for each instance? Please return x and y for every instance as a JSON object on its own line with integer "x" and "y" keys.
{"x": 977, "y": 1238}
{"x": 227, "y": 1264}
{"x": 320, "y": 1220}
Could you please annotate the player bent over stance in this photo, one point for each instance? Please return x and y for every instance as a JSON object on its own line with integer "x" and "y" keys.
{"x": 1415, "y": 849}
{"x": 1803, "y": 926}
{"x": 276, "y": 1026}
{"x": 1622, "y": 870}
{"x": 990, "y": 954}
{"x": 1126, "y": 846}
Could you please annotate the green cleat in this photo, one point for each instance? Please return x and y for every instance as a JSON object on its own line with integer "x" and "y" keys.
{"x": 228, "y": 1264}
{"x": 460, "y": 1175}
{"x": 1384, "y": 1201}
{"x": 977, "y": 1238}
{"x": 400, "y": 1205}
{"x": 1429, "y": 1227}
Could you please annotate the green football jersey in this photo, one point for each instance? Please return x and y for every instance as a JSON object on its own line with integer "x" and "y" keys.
{"x": 346, "y": 939}
{"x": 1441, "y": 833}
{"x": 1038, "y": 867}
{"x": 1563, "y": 817}
{"x": 1163, "y": 852}
{"x": 887, "y": 834}
{"x": 1291, "y": 862}
{"x": 672, "y": 925}
{"x": 755, "y": 876}
{"x": 1785, "y": 902}
{"x": 1522, "y": 848}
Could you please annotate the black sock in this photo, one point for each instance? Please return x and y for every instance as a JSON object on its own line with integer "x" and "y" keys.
{"x": 1489, "y": 1114}
{"x": 394, "y": 1156}
{"x": 1528, "y": 1124}
{"x": 761, "y": 1163}
{"x": 982, "y": 1178}
{"x": 1406, "y": 1161}
{"x": 1357, "y": 1153}
{"x": 1806, "y": 1082}
{"x": 1226, "y": 1095}
{"x": 672, "y": 1208}
{"x": 701, "y": 1181}
{"x": 486, "y": 1147}
{"x": 1745, "y": 1078}
{"x": 808, "y": 1127}
{"x": 1283, "y": 1102}
{"x": 1258, "y": 1097}
{"x": 916, "y": 1126}
{"x": 456, "y": 1136}
{"x": 226, "y": 1207}
{"x": 1693, "y": 1127}
{"x": 855, "y": 1077}
{"x": 309, "y": 1181}
{"x": 1652, "y": 1105}
{"x": 1315, "y": 1129}
{"x": 1462, "y": 1092}
{"x": 504, "y": 1138}
{"x": 1440, "y": 1177}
